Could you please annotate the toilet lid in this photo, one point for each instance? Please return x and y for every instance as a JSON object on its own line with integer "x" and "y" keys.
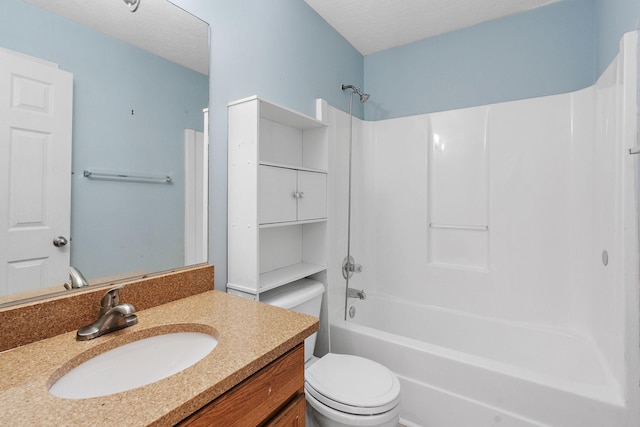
{"x": 352, "y": 384}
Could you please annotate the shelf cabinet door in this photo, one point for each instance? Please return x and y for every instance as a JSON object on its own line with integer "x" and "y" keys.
{"x": 288, "y": 195}
{"x": 277, "y": 198}
{"x": 312, "y": 203}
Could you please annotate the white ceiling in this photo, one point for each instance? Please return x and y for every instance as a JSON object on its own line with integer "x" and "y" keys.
{"x": 158, "y": 26}
{"x": 375, "y": 25}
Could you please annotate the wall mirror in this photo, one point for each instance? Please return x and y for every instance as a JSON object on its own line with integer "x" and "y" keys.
{"x": 138, "y": 170}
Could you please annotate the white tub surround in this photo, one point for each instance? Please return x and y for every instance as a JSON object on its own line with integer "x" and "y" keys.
{"x": 511, "y": 231}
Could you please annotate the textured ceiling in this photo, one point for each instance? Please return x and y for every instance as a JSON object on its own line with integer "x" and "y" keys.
{"x": 375, "y": 25}
{"x": 158, "y": 26}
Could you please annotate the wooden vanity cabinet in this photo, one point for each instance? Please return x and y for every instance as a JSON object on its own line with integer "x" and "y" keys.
{"x": 273, "y": 396}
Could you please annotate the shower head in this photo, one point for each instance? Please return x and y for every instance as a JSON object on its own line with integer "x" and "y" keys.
{"x": 364, "y": 97}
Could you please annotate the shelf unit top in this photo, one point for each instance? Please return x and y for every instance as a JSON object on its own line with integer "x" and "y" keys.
{"x": 279, "y": 114}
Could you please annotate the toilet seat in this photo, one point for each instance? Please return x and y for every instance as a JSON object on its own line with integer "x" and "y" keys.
{"x": 352, "y": 384}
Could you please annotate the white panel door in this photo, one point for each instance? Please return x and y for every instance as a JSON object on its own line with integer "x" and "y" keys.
{"x": 312, "y": 190}
{"x": 35, "y": 172}
{"x": 196, "y": 154}
{"x": 277, "y": 195}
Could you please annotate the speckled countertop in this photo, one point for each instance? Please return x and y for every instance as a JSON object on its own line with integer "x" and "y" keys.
{"x": 250, "y": 335}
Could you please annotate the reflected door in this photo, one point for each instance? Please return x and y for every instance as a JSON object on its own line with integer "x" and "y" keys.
{"x": 196, "y": 154}
{"x": 35, "y": 172}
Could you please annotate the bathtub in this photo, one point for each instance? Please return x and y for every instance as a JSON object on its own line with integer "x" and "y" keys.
{"x": 459, "y": 370}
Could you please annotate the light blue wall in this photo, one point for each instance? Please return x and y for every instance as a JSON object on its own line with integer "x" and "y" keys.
{"x": 283, "y": 51}
{"x": 554, "y": 49}
{"x": 280, "y": 50}
{"x": 114, "y": 225}
{"x": 613, "y": 18}
{"x": 545, "y": 51}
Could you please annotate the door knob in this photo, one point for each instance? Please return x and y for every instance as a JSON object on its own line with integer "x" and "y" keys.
{"x": 60, "y": 241}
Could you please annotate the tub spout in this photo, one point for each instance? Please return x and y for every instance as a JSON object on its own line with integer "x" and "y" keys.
{"x": 356, "y": 293}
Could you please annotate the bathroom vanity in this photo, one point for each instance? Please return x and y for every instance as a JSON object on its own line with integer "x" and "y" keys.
{"x": 274, "y": 396}
{"x": 254, "y": 375}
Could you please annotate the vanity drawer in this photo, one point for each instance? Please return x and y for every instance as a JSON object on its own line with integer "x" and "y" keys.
{"x": 291, "y": 416}
{"x": 257, "y": 399}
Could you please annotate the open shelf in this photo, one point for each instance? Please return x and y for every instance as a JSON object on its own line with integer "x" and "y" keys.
{"x": 288, "y": 274}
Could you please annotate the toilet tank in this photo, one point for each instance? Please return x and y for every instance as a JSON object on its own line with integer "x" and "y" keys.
{"x": 302, "y": 296}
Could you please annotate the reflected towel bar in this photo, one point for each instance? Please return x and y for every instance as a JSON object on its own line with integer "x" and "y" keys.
{"x": 635, "y": 150}
{"x": 459, "y": 227}
{"x": 165, "y": 179}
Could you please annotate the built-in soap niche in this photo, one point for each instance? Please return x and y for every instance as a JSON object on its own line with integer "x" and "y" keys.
{"x": 458, "y": 190}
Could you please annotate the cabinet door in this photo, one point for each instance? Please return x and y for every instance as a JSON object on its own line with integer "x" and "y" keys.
{"x": 312, "y": 202}
{"x": 277, "y": 198}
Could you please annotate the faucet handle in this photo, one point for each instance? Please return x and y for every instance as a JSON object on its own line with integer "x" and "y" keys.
{"x": 110, "y": 299}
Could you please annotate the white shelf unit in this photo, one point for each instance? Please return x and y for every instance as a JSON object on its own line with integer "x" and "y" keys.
{"x": 277, "y": 197}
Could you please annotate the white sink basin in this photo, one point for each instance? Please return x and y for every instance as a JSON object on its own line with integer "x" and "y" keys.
{"x": 134, "y": 364}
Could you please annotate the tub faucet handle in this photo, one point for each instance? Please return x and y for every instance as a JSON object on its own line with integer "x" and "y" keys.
{"x": 349, "y": 267}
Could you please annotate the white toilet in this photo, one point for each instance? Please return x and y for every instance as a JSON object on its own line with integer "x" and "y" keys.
{"x": 341, "y": 390}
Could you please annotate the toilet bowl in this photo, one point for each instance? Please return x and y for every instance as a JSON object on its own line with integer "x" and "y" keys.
{"x": 340, "y": 389}
{"x": 345, "y": 390}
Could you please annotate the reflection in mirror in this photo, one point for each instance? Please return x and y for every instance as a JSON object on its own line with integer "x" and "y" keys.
{"x": 136, "y": 104}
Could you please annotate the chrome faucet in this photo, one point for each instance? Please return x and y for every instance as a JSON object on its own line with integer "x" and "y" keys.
{"x": 76, "y": 279}
{"x": 356, "y": 293}
{"x": 113, "y": 316}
